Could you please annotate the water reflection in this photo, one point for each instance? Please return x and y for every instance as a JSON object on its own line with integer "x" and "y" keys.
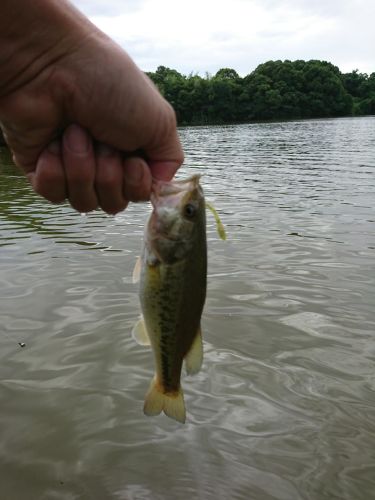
{"x": 284, "y": 407}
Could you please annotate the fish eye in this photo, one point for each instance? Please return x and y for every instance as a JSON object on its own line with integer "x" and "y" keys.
{"x": 190, "y": 210}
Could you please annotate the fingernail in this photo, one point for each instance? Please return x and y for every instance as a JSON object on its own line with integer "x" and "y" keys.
{"x": 54, "y": 147}
{"x": 77, "y": 140}
{"x": 105, "y": 149}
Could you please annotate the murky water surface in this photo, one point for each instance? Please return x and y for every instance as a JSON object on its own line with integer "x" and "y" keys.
{"x": 284, "y": 407}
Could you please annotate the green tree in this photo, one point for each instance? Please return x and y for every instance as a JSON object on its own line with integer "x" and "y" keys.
{"x": 362, "y": 88}
{"x": 224, "y": 91}
{"x": 227, "y": 74}
{"x": 274, "y": 90}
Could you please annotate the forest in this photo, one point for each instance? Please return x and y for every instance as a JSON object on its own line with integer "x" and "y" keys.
{"x": 274, "y": 90}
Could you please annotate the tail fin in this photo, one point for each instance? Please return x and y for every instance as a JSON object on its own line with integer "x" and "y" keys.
{"x": 172, "y": 404}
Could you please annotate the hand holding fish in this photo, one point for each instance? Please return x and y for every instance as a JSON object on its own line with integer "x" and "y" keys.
{"x": 82, "y": 121}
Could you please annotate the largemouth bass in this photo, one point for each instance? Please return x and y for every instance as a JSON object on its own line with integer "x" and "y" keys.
{"x": 172, "y": 273}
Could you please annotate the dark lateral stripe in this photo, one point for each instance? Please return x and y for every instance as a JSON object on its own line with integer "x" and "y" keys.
{"x": 166, "y": 347}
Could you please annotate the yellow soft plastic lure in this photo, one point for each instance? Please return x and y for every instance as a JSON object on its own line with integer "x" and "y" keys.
{"x": 219, "y": 225}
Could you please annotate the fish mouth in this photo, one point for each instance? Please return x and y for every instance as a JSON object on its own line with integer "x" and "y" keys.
{"x": 162, "y": 189}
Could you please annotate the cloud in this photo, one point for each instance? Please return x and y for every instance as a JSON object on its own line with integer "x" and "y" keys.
{"x": 107, "y": 8}
{"x": 205, "y": 35}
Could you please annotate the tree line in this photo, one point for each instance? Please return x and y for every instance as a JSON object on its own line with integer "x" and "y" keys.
{"x": 274, "y": 90}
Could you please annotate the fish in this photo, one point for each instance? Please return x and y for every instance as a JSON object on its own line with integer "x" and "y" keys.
{"x": 172, "y": 276}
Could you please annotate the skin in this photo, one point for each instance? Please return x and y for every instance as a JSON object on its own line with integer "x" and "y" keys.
{"x": 82, "y": 121}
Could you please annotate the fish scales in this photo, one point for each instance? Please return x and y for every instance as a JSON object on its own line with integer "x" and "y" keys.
{"x": 173, "y": 273}
{"x": 168, "y": 311}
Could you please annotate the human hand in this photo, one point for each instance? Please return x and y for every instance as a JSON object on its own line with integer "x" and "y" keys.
{"x": 82, "y": 120}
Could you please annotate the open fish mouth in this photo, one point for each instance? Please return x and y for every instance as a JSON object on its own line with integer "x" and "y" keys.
{"x": 161, "y": 189}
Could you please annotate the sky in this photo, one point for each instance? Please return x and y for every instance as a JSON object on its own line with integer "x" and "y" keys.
{"x": 199, "y": 36}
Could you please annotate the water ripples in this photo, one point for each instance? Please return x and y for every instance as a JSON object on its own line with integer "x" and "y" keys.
{"x": 284, "y": 407}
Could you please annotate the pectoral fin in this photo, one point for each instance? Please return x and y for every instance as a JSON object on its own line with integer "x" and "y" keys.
{"x": 139, "y": 333}
{"x": 194, "y": 358}
{"x": 137, "y": 270}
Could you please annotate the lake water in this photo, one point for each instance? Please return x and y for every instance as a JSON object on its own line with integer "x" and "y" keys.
{"x": 284, "y": 407}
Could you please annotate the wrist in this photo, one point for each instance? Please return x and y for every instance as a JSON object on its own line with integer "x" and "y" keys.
{"x": 34, "y": 35}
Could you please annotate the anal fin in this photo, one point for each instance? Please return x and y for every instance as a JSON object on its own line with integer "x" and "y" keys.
{"x": 139, "y": 333}
{"x": 194, "y": 357}
{"x": 137, "y": 270}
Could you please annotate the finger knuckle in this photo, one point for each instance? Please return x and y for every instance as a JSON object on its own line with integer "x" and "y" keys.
{"x": 107, "y": 181}
{"x": 79, "y": 179}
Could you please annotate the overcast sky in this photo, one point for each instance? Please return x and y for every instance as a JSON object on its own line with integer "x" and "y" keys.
{"x": 206, "y": 35}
